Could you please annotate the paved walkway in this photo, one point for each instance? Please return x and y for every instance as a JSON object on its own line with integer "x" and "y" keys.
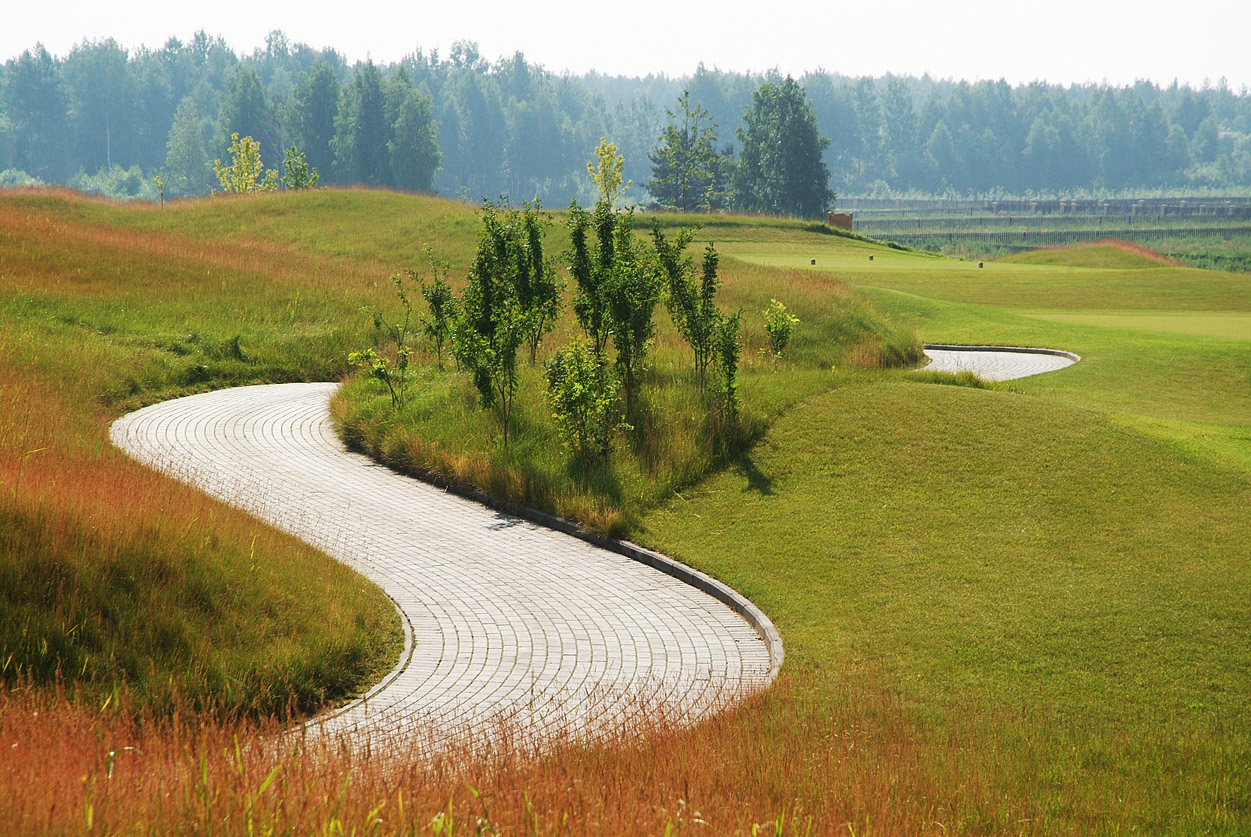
{"x": 508, "y": 623}
{"x": 993, "y": 363}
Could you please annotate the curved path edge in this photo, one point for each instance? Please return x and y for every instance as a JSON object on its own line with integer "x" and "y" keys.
{"x": 1025, "y": 350}
{"x": 685, "y": 573}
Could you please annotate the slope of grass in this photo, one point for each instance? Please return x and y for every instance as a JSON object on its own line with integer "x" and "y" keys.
{"x": 677, "y": 434}
{"x": 1043, "y": 559}
{"x": 112, "y": 577}
{"x": 1103, "y": 254}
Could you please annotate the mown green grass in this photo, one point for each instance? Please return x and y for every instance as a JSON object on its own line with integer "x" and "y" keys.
{"x": 1191, "y": 323}
{"x": 1074, "y": 583}
{"x": 1070, "y": 548}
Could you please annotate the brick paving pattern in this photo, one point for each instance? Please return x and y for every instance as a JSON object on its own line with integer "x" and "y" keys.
{"x": 993, "y": 365}
{"x": 512, "y": 629}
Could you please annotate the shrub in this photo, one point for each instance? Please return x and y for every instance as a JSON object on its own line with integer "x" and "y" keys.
{"x": 779, "y": 324}
{"x": 582, "y": 392}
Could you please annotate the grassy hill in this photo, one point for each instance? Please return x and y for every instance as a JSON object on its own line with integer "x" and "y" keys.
{"x": 1013, "y": 608}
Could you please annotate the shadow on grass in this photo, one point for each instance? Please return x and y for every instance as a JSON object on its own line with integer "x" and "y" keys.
{"x": 757, "y": 480}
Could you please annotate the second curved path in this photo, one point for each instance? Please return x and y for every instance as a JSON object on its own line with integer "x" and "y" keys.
{"x": 508, "y": 622}
{"x": 996, "y": 363}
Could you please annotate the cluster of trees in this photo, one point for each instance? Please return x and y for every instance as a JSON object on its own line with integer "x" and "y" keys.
{"x": 108, "y": 119}
{"x": 512, "y": 300}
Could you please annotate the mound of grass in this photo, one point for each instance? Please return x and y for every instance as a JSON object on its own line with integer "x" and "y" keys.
{"x": 1109, "y": 253}
{"x": 676, "y": 434}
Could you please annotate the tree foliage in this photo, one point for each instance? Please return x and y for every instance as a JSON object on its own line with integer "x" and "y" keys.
{"x": 691, "y": 302}
{"x": 297, "y": 173}
{"x": 779, "y": 325}
{"x": 245, "y": 173}
{"x": 511, "y": 127}
{"x": 582, "y": 394}
{"x": 780, "y": 168}
{"x": 495, "y": 317}
{"x": 605, "y": 171}
{"x": 687, "y": 169}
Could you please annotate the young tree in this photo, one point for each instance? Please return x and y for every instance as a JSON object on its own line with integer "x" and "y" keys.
{"x": 589, "y": 275}
{"x": 691, "y": 303}
{"x": 582, "y": 392}
{"x": 494, "y": 319}
{"x": 297, "y": 175}
{"x": 538, "y": 290}
{"x": 605, "y": 171}
{"x": 779, "y": 325}
{"x": 780, "y": 169}
{"x": 631, "y": 289}
{"x": 245, "y": 172}
{"x": 727, "y": 346}
{"x": 440, "y": 301}
{"x": 686, "y": 167}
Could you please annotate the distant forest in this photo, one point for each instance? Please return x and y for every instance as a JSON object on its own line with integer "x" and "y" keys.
{"x": 107, "y": 119}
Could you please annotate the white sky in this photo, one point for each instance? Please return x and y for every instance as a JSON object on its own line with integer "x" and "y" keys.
{"x": 1059, "y": 41}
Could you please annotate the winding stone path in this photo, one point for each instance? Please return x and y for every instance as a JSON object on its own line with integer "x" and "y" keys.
{"x": 512, "y": 629}
{"x": 996, "y": 363}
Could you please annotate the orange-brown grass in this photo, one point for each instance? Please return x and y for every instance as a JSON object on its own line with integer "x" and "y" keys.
{"x": 854, "y": 763}
{"x": 1095, "y": 254}
{"x": 114, "y": 577}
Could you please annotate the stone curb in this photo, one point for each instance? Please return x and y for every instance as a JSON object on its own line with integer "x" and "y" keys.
{"x": 951, "y": 347}
{"x": 723, "y": 593}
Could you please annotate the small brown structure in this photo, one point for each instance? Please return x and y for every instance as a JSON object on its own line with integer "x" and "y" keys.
{"x": 839, "y": 220}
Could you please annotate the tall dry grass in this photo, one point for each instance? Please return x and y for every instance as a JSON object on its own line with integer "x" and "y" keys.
{"x": 855, "y": 762}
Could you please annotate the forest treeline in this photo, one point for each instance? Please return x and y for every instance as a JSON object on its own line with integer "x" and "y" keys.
{"x": 107, "y": 119}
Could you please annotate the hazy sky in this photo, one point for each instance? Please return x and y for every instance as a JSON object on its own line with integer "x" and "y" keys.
{"x": 1058, "y": 41}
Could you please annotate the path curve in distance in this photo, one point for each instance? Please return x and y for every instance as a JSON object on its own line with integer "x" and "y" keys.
{"x": 510, "y": 625}
{"x": 996, "y": 363}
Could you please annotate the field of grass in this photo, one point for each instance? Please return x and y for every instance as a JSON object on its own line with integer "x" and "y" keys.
{"x": 1018, "y": 608}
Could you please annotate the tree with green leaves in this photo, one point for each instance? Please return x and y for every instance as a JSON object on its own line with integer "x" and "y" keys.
{"x": 727, "y": 346}
{"x": 605, "y": 170}
{"x": 245, "y": 173}
{"x": 496, "y": 319}
{"x": 779, "y": 325}
{"x": 441, "y": 304}
{"x": 780, "y": 170}
{"x": 691, "y": 302}
{"x": 587, "y": 266}
{"x": 246, "y": 112}
{"x": 311, "y": 113}
{"x": 632, "y": 289}
{"x": 582, "y": 393}
{"x": 297, "y": 174}
{"x": 414, "y": 143}
{"x": 185, "y": 160}
{"x": 361, "y": 131}
{"x": 686, "y": 166}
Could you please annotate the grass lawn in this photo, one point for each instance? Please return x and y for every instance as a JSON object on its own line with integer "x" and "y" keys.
{"x": 1019, "y": 608}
